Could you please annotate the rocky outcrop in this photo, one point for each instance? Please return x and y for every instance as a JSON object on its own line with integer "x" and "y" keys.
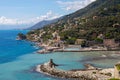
{"x": 21, "y": 36}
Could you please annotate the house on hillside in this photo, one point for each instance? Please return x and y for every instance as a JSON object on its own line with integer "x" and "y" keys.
{"x": 111, "y": 44}
{"x": 56, "y": 42}
{"x": 95, "y": 17}
{"x": 101, "y": 36}
{"x": 79, "y": 41}
{"x": 117, "y": 25}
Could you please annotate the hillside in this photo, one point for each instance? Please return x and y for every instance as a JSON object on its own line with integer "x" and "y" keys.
{"x": 96, "y": 22}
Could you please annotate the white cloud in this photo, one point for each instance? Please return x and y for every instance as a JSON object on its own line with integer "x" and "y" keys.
{"x": 4, "y": 20}
{"x": 75, "y": 4}
{"x": 49, "y": 16}
{"x": 8, "y": 21}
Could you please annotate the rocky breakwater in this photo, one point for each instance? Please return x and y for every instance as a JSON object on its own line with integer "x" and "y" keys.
{"x": 86, "y": 74}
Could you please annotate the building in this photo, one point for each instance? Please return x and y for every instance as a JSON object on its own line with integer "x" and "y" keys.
{"x": 55, "y": 34}
{"x": 117, "y": 25}
{"x": 110, "y": 43}
{"x": 79, "y": 41}
{"x": 101, "y": 36}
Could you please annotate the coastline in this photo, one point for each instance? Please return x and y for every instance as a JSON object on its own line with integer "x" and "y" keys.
{"x": 49, "y": 49}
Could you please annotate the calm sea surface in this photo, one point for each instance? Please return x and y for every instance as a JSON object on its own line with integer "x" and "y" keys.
{"x": 18, "y": 59}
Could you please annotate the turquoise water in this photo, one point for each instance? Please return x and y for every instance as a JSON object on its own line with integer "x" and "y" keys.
{"x": 18, "y": 59}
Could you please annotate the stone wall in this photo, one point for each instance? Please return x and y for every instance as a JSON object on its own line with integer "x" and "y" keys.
{"x": 66, "y": 74}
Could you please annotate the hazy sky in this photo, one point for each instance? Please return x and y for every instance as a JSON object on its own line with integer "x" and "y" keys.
{"x": 29, "y": 12}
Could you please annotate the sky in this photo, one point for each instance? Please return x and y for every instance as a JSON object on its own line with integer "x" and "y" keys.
{"x": 19, "y": 14}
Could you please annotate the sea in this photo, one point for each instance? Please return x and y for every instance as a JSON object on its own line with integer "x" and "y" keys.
{"x": 18, "y": 59}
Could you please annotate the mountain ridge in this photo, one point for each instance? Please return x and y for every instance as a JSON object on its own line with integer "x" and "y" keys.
{"x": 42, "y": 24}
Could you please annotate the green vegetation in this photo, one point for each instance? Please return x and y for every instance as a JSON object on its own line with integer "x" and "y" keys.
{"x": 100, "y": 17}
{"x": 108, "y": 74}
{"x": 94, "y": 72}
{"x": 71, "y": 40}
{"x": 113, "y": 79}
{"x": 118, "y": 66}
{"x": 98, "y": 40}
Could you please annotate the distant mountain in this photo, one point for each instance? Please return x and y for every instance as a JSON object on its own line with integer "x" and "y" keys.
{"x": 43, "y": 23}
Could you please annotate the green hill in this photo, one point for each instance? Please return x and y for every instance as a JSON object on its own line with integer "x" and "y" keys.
{"x": 100, "y": 17}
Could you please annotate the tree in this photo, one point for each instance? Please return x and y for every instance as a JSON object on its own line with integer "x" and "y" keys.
{"x": 71, "y": 40}
{"x": 98, "y": 40}
{"x": 84, "y": 44}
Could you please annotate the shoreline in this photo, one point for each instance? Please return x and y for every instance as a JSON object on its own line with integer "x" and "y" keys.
{"x": 49, "y": 49}
{"x": 91, "y": 73}
{"x": 56, "y": 49}
{"x": 85, "y": 50}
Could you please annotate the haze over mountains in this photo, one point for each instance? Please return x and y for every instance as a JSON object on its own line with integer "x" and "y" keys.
{"x": 43, "y": 23}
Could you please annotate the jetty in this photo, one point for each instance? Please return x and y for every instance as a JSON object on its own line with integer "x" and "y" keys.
{"x": 90, "y": 73}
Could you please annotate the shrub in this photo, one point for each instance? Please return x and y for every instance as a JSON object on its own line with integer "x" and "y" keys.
{"x": 113, "y": 79}
{"x": 98, "y": 40}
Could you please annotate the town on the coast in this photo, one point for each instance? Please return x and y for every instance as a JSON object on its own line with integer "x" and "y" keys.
{"x": 93, "y": 28}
